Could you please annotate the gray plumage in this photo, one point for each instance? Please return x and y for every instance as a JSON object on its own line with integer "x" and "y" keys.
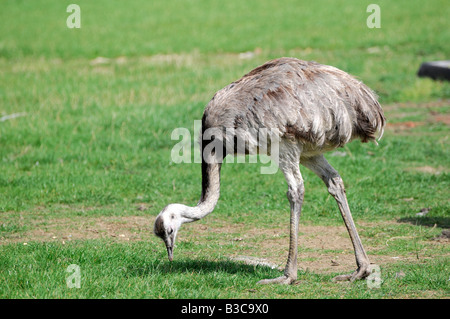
{"x": 311, "y": 108}
{"x": 319, "y": 105}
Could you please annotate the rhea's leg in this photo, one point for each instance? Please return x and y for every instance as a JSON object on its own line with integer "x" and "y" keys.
{"x": 335, "y": 185}
{"x": 295, "y": 196}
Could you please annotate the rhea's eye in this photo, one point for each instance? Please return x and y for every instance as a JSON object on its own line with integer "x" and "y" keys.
{"x": 172, "y": 216}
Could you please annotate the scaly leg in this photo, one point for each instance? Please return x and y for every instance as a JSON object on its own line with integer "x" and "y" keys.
{"x": 295, "y": 195}
{"x": 335, "y": 185}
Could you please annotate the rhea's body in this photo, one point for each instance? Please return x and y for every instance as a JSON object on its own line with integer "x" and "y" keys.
{"x": 320, "y": 106}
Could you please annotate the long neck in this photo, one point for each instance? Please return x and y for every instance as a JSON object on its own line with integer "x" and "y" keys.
{"x": 210, "y": 187}
{"x": 210, "y": 193}
{"x": 211, "y": 164}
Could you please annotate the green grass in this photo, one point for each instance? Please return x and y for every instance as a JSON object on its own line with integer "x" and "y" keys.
{"x": 138, "y": 270}
{"x": 94, "y": 145}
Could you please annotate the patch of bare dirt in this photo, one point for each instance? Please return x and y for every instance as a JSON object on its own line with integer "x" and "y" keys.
{"x": 429, "y": 169}
{"x": 65, "y": 229}
{"x": 322, "y": 249}
{"x": 397, "y": 111}
{"x": 443, "y": 118}
{"x": 401, "y": 126}
{"x": 402, "y": 105}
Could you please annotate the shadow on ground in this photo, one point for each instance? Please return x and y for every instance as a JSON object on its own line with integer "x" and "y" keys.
{"x": 443, "y": 222}
{"x": 201, "y": 267}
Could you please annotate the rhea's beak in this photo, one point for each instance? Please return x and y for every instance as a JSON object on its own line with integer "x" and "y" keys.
{"x": 169, "y": 251}
{"x": 170, "y": 243}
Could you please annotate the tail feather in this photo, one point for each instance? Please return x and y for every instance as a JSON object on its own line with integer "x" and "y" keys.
{"x": 370, "y": 120}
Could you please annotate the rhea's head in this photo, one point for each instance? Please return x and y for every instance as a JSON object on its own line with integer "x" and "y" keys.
{"x": 167, "y": 224}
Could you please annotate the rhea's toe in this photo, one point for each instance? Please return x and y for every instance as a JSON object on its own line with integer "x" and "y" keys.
{"x": 283, "y": 280}
{"x": 362, "y": 272}
{"x": 342, "y": 278}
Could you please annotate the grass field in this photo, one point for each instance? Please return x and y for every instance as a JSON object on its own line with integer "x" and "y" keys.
{"x": 85, "y": 166}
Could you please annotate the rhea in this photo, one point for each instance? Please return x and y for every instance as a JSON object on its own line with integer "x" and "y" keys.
{"x": 312, "y": 108}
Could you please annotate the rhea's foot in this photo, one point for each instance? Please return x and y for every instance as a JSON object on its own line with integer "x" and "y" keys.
{"x": 362, "y": 272}
{"x": 283, "y": 280}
